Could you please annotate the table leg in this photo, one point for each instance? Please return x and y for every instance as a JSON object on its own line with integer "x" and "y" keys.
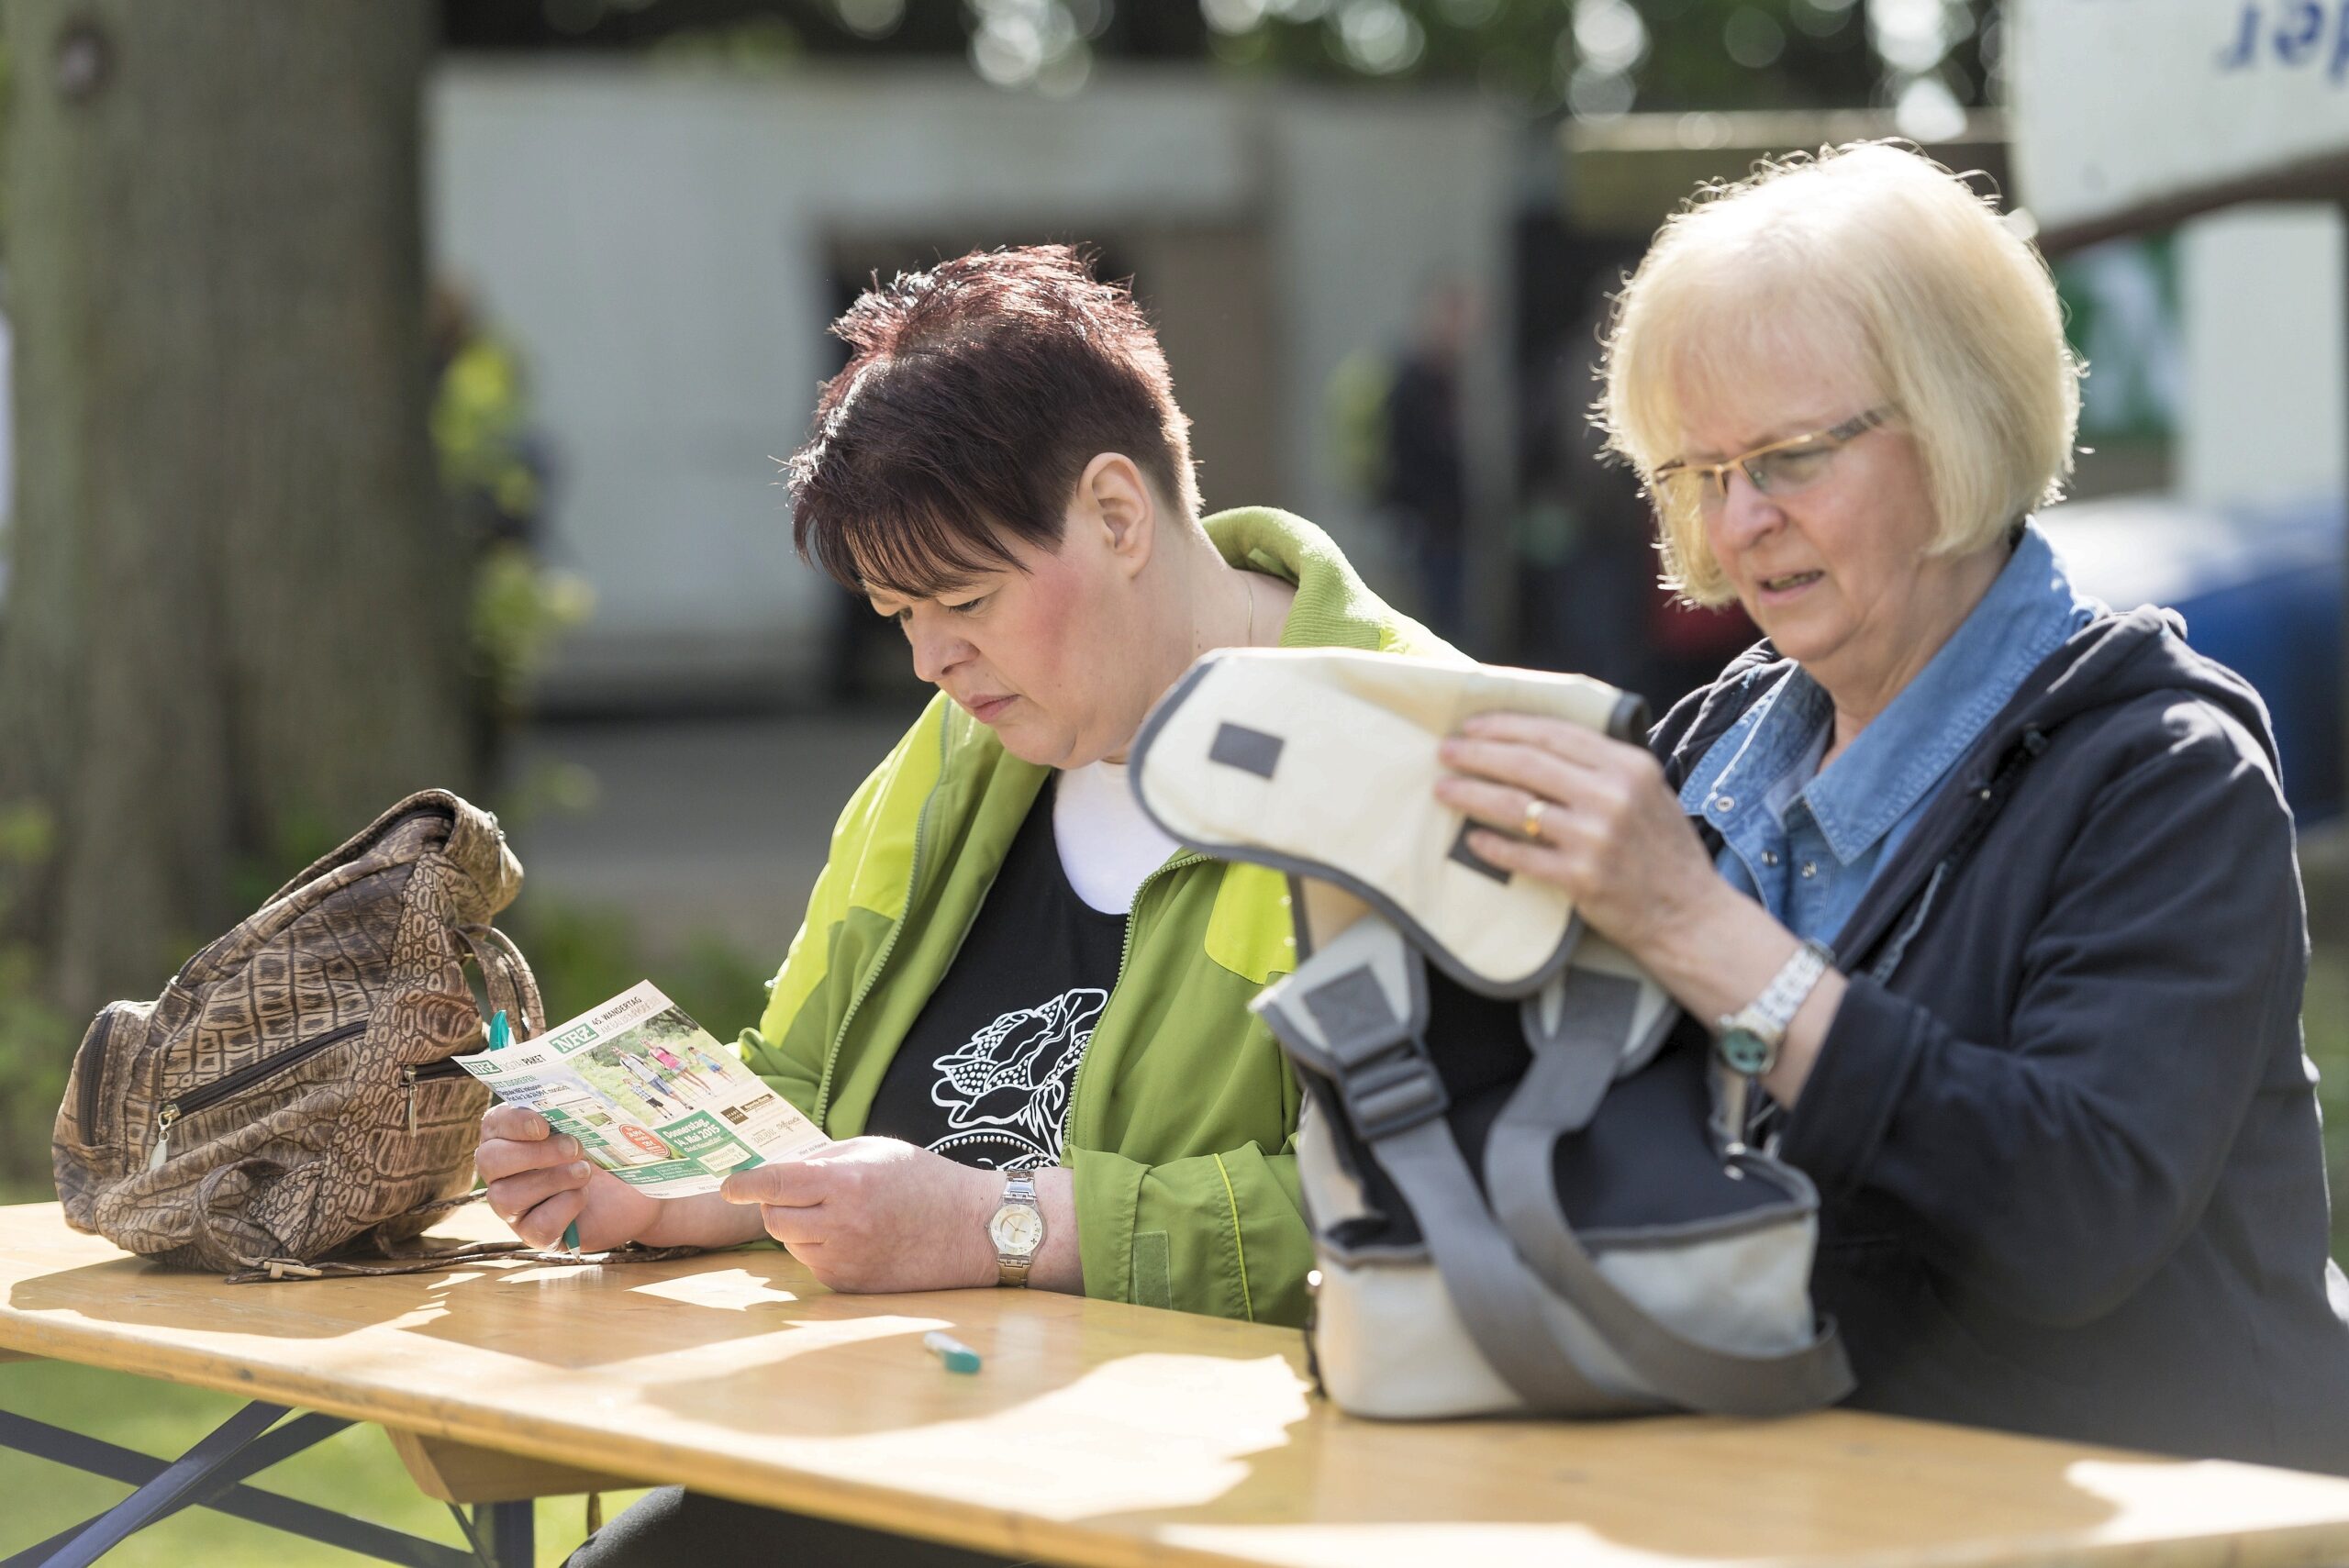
{"x": 221, "y": 1489}
{"x": 187, "y": 1476}
{"x": 510, "y": 1528}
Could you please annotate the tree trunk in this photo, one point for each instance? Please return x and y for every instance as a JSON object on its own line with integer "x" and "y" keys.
{"x": 235, "y": 623}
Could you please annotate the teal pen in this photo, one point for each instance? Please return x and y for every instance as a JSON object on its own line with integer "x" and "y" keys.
{"x": 501, "y": 1035}
{"x": 958, "y": 1356}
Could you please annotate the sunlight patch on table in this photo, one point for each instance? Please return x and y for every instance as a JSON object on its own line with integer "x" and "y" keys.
{"x": 737, "y": 1290}
{"x": 1399, "y": 1545}
{"x": 1145, "y": 1432}
{"x": 2169, "y": 1500}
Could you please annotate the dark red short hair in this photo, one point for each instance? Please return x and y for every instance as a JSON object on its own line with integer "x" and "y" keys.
{"x": 974, "y": 396}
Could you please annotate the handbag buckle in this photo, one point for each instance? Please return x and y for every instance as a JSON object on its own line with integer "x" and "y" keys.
{"x": 1393, "y": 1092}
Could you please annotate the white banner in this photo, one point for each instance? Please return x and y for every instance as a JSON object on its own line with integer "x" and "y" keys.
{"x": 2119, "y": 105}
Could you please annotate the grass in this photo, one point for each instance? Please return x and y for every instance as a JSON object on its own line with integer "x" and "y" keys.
{"x": 356, "y": 1472}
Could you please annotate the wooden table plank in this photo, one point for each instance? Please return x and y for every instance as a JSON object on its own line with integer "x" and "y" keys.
{"x": 1142, "y": 1439}
{"x": 460, "y": 1472}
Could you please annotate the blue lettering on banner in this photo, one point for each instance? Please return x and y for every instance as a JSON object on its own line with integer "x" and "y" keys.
{"x": 2290, "y": 33}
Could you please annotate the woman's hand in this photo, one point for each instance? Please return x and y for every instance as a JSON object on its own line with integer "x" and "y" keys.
{"x": 539, "y": 1184}
{"x": 1616, "y": 840}
{"x": 1610, "y": 834}
{"x": 878, "y": 1214}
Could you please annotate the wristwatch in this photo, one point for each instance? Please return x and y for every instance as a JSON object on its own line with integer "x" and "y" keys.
{"x": 1750, "y": 1036}
{"x": 1017, "y": 1228}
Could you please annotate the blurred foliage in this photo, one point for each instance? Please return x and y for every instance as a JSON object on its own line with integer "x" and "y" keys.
{"x": 521, "y": 607}
{"x": 583, "y": 956}
{"x": 1683, "y": 55}
{"x": 36, "y": 1041}
{"x": 493, "y": 465}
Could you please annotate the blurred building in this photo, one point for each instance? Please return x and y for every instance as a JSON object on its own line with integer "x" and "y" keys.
{"x": 667, "y": 247}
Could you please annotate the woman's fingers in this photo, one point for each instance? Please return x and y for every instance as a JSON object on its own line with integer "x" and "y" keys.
{"x": 512, "y": 1196}
{"x": 784, "y": 1183}
{"x": 796, "y": 1227}
{"x": 1572, "y": 741}
{"x": 1503, "y": 740}
{"x": 1528, "y": 768}
{"x": 1545, "y": 861}
{"x": 502, "y": 1120}
{"x": 502, "y": 1157}
{"x": 1502, "y": 805}
{"x": 543, "y": 1224}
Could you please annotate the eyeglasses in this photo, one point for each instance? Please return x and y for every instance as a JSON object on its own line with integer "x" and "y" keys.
{"x": 1782, "y": 467}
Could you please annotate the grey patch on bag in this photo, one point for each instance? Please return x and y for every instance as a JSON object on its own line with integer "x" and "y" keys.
{"x": 1472, "y": 860}
{"x": 1597, "y": 1011}
{"x": 1249, "y": 750}
{"x": 1354, "y": 1009}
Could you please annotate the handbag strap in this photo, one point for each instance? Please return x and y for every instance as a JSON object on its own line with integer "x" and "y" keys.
{"x": 260, "y": 1270}
{"x": 1502, "y": 1259}
{"x": 1338, "y": 1018}
{"x": 1553, "y": 1099}
{"x": 507, "y": 976}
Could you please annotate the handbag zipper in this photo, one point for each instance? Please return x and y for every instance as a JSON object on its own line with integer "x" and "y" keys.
{"x": 243, "y": 1078}
{"x": 424, "y": 1072}
{"x": 93, "y": 1067}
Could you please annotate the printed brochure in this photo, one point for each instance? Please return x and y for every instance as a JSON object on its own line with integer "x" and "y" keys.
{"x": 649, "y": 1095}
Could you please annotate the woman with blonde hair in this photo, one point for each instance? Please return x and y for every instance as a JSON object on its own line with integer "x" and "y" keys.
{"x": 1988, "y": 891}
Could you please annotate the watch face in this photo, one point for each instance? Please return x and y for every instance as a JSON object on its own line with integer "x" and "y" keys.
{"x": 1016, "y": 1229}
{"x": 1745, "y": 1051}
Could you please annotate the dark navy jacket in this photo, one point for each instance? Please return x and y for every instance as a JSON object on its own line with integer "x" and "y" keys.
{"x": 2063, "y": 1130}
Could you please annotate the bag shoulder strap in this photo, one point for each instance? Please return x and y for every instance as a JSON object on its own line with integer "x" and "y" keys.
{"x": 507, "y": 974}
{"x": 1341, "y": 1015}
{"x": 1553, "y": 1099}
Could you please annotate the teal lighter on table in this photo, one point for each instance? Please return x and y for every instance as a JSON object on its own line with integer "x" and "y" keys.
{"x": 958, "y": 1356}
{"x": 501, "y": 1035}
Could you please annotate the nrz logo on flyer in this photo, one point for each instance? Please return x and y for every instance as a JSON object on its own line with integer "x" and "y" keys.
{"x": 577, "y": 1035}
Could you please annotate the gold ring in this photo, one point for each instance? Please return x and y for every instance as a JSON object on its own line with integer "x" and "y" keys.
{"x": 1530, "y": 826}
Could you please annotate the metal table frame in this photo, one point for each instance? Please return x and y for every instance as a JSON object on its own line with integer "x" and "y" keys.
{"x": 212, "y": 1475}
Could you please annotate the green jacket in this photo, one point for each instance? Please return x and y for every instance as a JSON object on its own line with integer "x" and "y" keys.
{"x": 1182, "y": 1119}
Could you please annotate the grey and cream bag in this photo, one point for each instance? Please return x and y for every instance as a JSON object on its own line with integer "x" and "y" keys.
{"x": 1524, "y": 1191}
{"x": 289, "y": 1094}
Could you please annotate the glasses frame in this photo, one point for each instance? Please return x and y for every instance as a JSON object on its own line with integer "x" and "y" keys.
{"x": 1716, "y": 474}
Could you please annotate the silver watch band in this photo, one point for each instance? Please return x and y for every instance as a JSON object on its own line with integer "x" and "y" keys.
{"x": 1768, "y": 1017}
{"x": 1791, "y": 987}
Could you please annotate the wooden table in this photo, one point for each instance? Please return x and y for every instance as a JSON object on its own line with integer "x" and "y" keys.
{"x": 1142, "y": 1437}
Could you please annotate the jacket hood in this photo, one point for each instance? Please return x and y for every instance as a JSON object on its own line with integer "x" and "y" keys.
{"x": 2113, "y": 660}
{"x": 2118, "y": 657}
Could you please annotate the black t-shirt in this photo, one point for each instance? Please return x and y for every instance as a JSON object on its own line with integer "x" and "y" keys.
{"x": 985, "y": 1073}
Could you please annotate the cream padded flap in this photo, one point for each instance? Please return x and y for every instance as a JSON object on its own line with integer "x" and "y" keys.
{"x": 1322, "y": 762}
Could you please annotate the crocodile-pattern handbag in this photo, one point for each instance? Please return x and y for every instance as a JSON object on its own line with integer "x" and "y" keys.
{"x": 289, "y": 1094}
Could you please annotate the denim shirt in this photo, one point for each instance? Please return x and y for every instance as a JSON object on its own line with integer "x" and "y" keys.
{"x": 1805, "y": 840}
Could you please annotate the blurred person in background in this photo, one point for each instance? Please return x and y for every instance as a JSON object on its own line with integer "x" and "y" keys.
{"x": 1590, "y": 595}
{"x": 1990, "y": 890}
{"x": 1426, "y": 460}
{"x": 1020, "y": 1008}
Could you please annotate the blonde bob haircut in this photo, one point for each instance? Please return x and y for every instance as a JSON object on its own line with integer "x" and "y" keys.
{"x": 1880, "y": 268}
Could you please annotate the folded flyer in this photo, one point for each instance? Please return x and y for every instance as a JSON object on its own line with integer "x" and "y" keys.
{"x": 649, "y": 1095}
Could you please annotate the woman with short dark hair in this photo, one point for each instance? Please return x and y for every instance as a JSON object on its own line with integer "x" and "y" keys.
{"x": 1018, "y": 1007}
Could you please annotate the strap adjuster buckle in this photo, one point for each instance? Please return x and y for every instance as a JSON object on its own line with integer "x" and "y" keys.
{"x": 1393, "y": 1092}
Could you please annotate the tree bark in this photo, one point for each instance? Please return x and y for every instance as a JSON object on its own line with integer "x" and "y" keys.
{"x": 234, "y": 622}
